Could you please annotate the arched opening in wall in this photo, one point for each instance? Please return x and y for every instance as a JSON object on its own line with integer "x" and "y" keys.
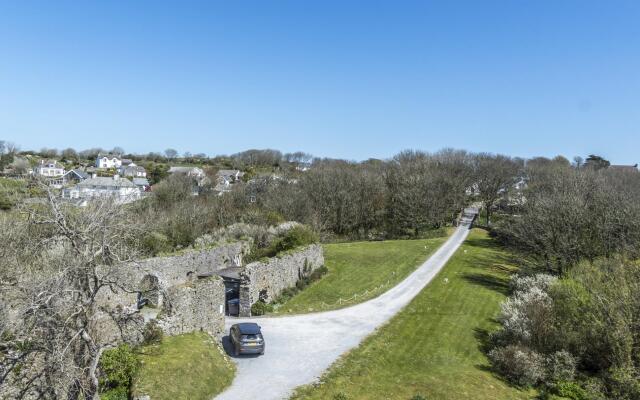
{"x": 150, "y": 297}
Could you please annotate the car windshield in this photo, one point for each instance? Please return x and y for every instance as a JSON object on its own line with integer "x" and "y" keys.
{"x": 251, "y": 337}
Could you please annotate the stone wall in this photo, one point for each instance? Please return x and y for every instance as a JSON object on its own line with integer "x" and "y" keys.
{"x": 266, "y": 280}
{"x": 195, "y": 306}
{"x": 171, "y": 285}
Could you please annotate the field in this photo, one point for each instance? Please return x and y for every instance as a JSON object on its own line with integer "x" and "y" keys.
{"x": 189, "y": 367}
{"x": 432, "y": 348}
{"x": 360, "y": 271}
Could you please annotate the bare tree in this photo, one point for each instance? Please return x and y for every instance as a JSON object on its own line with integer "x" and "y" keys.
{"x": 117, "y": 151}
{"x": 57, "y": 261}
{"x": 494, "y": 177}
{"x": 171, "y": 153}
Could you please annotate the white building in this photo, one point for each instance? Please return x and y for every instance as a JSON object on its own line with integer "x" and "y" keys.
{"x": 120, "y": 189}
{"x": 108, "y": 162}
{"x": 49, "y": 168}
{"x": 133, "y": 171}
{"x": 193, "y": 172}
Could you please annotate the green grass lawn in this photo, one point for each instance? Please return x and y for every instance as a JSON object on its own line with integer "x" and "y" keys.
{"x": 432, "y": 347}
{"x": 189, "y": 367}
{"x": 367, "y": 269}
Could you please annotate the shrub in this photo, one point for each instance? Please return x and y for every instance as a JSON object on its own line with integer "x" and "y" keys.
{"x": 152, "y": 333}
{"x": 119, "y": 393}
{"x": 518, "y": 364}
{"x": 523, "y": 283}
{"x": 261, "y": 308}
{"x": 570, "y": 390}
{"x": 623, "y": 383}
{"x": 296, "y": 237}
{"x": 418, "y": 397}
{"x": 5, "y": 203}
{"x": 561, "y": 366}
{"x": 340, "y": 396}
{"x": 526, "y": 315}
{"x": 118, "y": 368}
{"x": 156, "y": 243}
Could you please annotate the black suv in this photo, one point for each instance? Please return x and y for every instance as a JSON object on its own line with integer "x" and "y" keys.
{"x": 246, "y": 338}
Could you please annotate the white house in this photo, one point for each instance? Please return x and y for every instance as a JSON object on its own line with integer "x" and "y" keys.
{"x": 108, "y": 161}
{"x": 226, "y": 178}
{"x": 133, "y": 171}
{"x": 120, "y": 189}
{"x": 48, "y": 168}
{"x": 193, "y": 172}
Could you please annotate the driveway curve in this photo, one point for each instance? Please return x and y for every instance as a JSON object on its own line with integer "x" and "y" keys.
{"x": 300, "y": 348}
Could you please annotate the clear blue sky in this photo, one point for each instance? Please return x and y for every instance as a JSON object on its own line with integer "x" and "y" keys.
{"x": 341, "y": 79}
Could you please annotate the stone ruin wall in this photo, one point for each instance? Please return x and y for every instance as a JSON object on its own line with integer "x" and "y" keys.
{"x": 187, "y": 303}
{"x": 266, "y": 280}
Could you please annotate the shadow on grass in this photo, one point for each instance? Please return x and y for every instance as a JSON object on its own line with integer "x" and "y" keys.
{"x": 489, "y": 281}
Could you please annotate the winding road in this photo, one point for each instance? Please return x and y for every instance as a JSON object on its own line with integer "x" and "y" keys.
{"x": 300, "y": 348}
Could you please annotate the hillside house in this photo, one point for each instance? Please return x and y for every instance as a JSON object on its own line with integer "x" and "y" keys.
{"x": 74, "y": 176}
{"x": 49, "y": 168}
{"x": 226, "y": 178}
{"x": 120, "y": 189}
{"x": 108, "y": 161}
{"x": 142, "y": 184}
{"x": 133, "y": 171}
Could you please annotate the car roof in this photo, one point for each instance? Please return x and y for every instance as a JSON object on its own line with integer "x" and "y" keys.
{"x": 249, "y": 328}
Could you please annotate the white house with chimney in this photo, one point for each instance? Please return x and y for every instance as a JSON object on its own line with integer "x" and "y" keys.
{"x": 48, "y": 168}
{"x": 108, "y": 161}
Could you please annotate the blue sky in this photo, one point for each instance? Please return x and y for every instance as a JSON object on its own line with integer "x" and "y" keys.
{"x": 339, "y": 79}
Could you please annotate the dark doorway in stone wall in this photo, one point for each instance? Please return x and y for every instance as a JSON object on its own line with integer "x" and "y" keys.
{"x": 231, "y": 279}
{"x": 150, "y": 297}
{"x": 232, "y": 297}
{"x": 149, "y": 292}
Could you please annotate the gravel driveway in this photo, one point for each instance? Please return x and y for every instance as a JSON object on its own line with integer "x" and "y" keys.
{"x": 300, "y": 348}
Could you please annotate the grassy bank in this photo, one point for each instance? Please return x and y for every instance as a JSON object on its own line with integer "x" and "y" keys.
{"x": 359, "y": 271}
{"x": 189, "y": 367}
{"x": 432, "y": 348}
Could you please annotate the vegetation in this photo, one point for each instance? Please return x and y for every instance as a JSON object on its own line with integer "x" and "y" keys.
{"x": 119, "y": 366}
{"x": 570, "y": 326}
{"x": 359, "y": 268}
{"x": 432, "y": 349}
{"x": 189, "y": 367}
{"x": 293, "y": 238}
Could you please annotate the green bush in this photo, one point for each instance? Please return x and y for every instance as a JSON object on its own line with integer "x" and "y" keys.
{"x": 119, "y": 393}
{"x": 296, "y": 237}
{"x": 152, "y": 333}
{"x": 340, "y": 396}
{"x": 570, "y": 390}
{"x": 418, "y": 397}
{"x": 261, "y": 308}
{"x": 118, "y": 368}
{"x": 156, "y": 243}
{"x": 5, "y": 203}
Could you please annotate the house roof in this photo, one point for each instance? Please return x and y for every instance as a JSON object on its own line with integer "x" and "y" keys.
{"x": 47, "y": 162}
{"x": 80, "y": 174}
{"x": 110, "y": 156}
{"x": 230, "y": 172}
{"x": 126, "y": 161}
{"x": 141, "y": 182}
{"x": 182, "y": 170}
{"x": 106, "y": 182}
{"x": 134, "y": 168}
